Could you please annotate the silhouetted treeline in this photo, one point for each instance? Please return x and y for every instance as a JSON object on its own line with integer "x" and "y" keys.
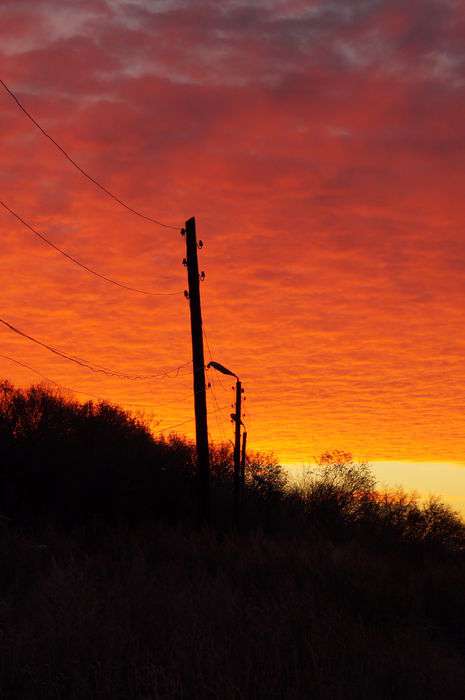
{"x": 329, "y": 590}
{"x": 67, "y": 463}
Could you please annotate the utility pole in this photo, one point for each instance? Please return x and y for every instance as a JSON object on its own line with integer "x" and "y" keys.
{"x": 237, "y": 452}
{"x": 243, "y": 458}
{"x": 198, "y": 362}
{"x": 239, "y": 461}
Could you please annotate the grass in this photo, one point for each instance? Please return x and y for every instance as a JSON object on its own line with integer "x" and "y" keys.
{"x": 330, "y": 590}
{"x": 161, "y": 613}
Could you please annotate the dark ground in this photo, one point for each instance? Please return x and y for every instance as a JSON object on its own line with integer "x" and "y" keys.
{"x": 108, "y": 590}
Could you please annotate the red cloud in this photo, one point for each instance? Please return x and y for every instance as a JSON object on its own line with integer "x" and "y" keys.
{"x": 320, "y": 146}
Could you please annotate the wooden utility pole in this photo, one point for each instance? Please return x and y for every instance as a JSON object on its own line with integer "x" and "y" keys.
{"x": 198, "y": 362}
{"x": 237, "y": 452}
{"x": 243, "y": 458}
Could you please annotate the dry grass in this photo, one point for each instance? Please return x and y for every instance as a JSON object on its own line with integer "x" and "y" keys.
{"x": 159, "y": 613}
{"x": 331, "y": 591}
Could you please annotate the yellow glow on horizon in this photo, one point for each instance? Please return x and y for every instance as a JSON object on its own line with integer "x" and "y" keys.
{"x": 431, "y": 478}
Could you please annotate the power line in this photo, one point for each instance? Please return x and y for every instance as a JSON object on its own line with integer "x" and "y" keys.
{"x": 67, "y": 388}
{"x": 212, "y": 383}
{"x": 47, "y": 379}
{"x": 219, "y": 376}
{"x": 217, "y": 420}
{"x": 92, "y": 367}
{"x": 72, "y": 389}
{"x": 77, "y": 262}
{"x": 36, "y": 371}
{"x": 170, "y": 427}
{"x": 78, "y": 167}
{"x": 190, "y": 420}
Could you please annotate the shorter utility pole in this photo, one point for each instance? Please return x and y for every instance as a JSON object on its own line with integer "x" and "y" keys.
{"x": 238, "y": 459}
{"x": 237, "y": 452}
{"x": 198, "y": 366}
{"x": 243, "y": 458}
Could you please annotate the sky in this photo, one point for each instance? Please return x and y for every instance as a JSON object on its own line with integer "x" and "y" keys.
{"x": 320, "y": 146}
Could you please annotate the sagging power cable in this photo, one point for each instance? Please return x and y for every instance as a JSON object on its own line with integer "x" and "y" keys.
{"x": 74, "y": 260}
{"x": 93, "y": 367}
{"x": 78, "y": 167}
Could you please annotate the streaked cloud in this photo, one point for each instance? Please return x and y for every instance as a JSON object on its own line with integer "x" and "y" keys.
{"x": 320, "y": 145}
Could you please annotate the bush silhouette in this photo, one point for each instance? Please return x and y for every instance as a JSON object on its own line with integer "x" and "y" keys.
{"x": 339, "y": 499}
{"x": 331, "y": 589}
{"x": 67, "y": 461}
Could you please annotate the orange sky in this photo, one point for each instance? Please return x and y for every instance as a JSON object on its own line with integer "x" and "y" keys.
{"x": 320, "y": 146}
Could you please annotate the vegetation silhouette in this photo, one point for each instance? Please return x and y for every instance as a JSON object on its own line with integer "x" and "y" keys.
{"x": 331, "y": 589}
{"x": 66, "y": 463}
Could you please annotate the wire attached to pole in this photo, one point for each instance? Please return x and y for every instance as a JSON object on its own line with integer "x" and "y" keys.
{"x": 93, "y": 368}
{"x": 48, "y": 242}
{"x": 78, "y": 167}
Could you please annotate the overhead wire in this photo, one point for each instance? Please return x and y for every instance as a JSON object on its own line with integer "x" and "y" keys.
{"x": 78, "y": 167}
{"x": 74, "y": 260}
{"x": 212, "y": 382}
{"x": 71, "y": 389}
{"x": 93, "y": 367}
{"x": 219, "y": 376}
{"x": 219, "y": 427}
{"x": 85, "y": 363}
{"x": 81, "y": 362}
{"x": 47, "y": 379}
{"x": 26, "y": 366}
{"x": 189, "y": 420}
